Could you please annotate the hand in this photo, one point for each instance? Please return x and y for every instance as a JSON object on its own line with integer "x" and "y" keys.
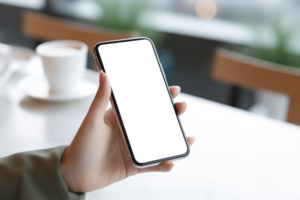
{"x": 97, "y": 156}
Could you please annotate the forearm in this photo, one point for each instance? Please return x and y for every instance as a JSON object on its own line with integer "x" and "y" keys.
{"x": 34, "y": 175}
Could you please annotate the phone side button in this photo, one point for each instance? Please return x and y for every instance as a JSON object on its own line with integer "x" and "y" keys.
{"x": 97, "y": 64}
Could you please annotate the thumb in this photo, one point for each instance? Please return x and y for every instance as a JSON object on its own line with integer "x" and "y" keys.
{"x": 101, "y": 99}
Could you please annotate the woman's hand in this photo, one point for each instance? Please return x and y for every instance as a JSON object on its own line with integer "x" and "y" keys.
{"x": 97, "y": 156}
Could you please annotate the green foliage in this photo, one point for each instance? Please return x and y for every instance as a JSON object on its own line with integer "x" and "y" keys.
{"x": 124, "y": 15}
{"x": 279, "y": 52}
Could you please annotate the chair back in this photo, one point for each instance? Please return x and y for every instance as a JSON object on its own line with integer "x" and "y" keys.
{"x": 46, "y": 28}
{"x": 245, "y": 71}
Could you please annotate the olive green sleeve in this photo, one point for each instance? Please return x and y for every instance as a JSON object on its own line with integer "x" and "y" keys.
{"x": 34, "y": 175}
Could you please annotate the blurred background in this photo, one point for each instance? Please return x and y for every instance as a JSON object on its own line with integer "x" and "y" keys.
{"x": 186, "y": 34}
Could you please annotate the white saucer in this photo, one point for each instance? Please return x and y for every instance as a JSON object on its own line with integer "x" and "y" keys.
{"x": 38, "y": 88}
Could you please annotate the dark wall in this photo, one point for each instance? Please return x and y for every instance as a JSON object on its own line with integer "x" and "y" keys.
{"x": 11, "y": 26}
{"x": 192, "y": 71}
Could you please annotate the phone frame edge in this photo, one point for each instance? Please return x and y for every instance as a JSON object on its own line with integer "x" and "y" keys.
{"x": 134, "y": 162}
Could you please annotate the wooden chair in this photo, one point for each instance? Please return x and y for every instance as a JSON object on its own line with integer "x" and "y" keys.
{"x": 245, "y": 71}
{"x": 46, "y": 28}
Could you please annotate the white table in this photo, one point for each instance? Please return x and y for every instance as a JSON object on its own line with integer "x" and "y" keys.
{"x": 237, "y": 155}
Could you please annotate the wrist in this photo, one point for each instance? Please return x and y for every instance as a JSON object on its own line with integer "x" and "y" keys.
{"x": 66, "y": 173}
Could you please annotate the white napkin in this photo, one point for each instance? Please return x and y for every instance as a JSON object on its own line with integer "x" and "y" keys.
{"x": 12, "y": 59}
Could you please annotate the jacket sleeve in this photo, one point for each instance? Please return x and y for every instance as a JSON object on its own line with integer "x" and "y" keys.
{"x": 34, "y": 175}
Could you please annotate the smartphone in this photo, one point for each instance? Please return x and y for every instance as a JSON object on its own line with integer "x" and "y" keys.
{"x": 141, "y": 101}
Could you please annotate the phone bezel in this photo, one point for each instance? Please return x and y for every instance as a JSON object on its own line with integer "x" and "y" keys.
{"x": 116, "y": 109}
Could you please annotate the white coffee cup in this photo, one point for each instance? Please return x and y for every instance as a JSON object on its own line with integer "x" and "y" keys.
{"x": 64, "y": 63}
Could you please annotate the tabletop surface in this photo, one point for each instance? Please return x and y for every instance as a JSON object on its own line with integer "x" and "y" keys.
{"x": 237, "y": 155}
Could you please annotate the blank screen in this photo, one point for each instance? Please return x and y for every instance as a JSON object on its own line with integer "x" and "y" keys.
{"x": 143, "y": 100}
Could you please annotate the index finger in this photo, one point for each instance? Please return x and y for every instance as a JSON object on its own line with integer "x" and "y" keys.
{"x": 175, "y": 90}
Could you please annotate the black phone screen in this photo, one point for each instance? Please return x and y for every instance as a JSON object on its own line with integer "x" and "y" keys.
{"x": 143, "y": 101}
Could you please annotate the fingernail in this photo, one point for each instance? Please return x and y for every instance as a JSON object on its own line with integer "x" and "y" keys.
{"x": 178, "y": 87}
